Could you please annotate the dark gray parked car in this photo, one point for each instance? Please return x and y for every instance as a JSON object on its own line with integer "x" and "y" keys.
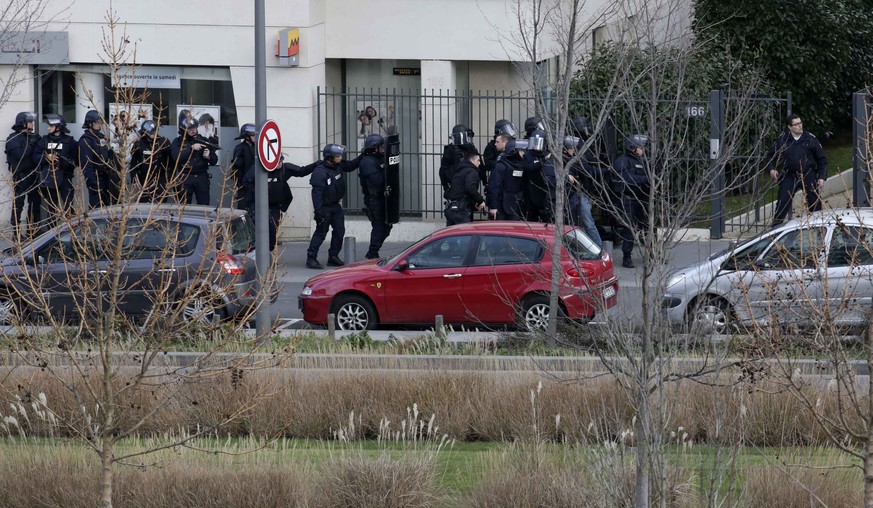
{"x": 199, "y": 257}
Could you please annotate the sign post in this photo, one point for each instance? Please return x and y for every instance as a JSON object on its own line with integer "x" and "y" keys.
{"x": 262, "y": 247}
{"x": 270, "y": 145}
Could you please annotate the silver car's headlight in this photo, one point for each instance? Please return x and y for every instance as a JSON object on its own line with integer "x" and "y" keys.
{"x": 307, "y": 291}
{"x": 675, "y": 279}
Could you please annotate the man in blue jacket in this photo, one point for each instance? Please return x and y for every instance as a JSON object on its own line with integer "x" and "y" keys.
{"x": 328, "y": 190}
{"x": 796, "y": 161}
{"x": 25, "y": 182}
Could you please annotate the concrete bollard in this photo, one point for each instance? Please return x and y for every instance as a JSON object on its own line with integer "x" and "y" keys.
{"x": 331, "y": 326}
{"x": 350, "y": 247}
{"x": 438, "y": 328}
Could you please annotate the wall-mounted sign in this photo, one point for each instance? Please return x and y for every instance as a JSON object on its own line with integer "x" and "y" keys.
{"x": 288, "y": 47}
{"x": 148, "y": 77}
{"x": 34, "y": 48}
{"x": 407, "y": 71}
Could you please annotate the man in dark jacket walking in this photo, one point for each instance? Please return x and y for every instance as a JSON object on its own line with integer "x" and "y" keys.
{"x": 328, "y": 190}
{"x": 55, "y": 158}
{"x": 797, "y": 161}
{"x": 463, "y": 194}
{"x": 632, "y": 169}
{"x": 372, "y": 175}
{"x": 25, "y": 182}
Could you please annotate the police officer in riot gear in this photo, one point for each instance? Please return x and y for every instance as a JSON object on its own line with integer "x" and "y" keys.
{"x": 96, "y": 162}
{"x": 328, "y": 190}
{"x": 25, "y": 182}
{"x": 632, "y": 168}
{"x": 279, "y": 195}
{"x": 192, "y": 160}
{"x": 504, "y": 197}
{"x": 503, "y": 130}
{"x": 55, "y": 157}
{"x": 150, "y": 162}
{"x": 539, "y": 181}
{"x": 244, "y": 157}
{"x": 372, "y": 175}
{"x": 459, "y": 148}
{"x": 463, "y": 194}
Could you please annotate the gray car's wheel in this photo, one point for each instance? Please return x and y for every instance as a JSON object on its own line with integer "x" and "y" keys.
{"x": 355, "y": 313}
{"x": 534, "y": 313}
{"x": 9, "y": 312}
{"x": 201, "y": 307}
{"x": 711, "y": 315}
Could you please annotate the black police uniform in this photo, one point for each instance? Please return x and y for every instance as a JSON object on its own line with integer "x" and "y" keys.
{"x": 56, "y": 179}
{"x": 328, "y": 190}
{"x": 279, "y": 195}
{"x": 150, "y": 165}
{"x": 372, "y": 175}
{"x": 505, "y": 187}
{"x": 463, "y": 194}
{"x": 95, "y": 161}
{"x": 538, "y": 187}
{"x": 243, "y": 159}
{"x": 194, "y": 169}
{"x": 25, "y": 179}
{"x": 632, "y": 171}
{"x": 800, "y": 163}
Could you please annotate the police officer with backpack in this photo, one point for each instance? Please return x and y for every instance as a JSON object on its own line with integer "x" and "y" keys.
{"x": 55, "y": 156}
{"x": 279, "y": 196}
{"x": 372, "y": 175}
{"x": 328, "y": 190}
{"x": 25, "y": 182}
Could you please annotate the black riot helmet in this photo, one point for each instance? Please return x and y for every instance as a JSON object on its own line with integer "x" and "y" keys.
{"x": 187, "y": 123}
{"x": 333, "y": 150}
{"x": 533, "y": 123}
{"x": 537, "y": 141}
{"x": 149, "y": 127}
{"x": 631, "y": 143}
{"x": 58, "y": 121}
{"x": 247, "y": 129}
{"x": 90, "y": 117}
{"x": 373, "y": 141}
{"x": 462, "y": 135}
{"x": 505, "y": 127}
{"x": 514, "y": 145}
{"x": 583, "y": 127}
{"x": 22, "y": 119}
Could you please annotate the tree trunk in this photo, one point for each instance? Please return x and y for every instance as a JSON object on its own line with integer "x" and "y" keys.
{"x": 106, "y": 473}
{"x": 868, "y": 449}
{"x": 641, "y": 439}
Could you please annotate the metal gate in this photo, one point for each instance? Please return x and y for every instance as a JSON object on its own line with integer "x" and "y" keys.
{"x": 862, "y": 135}
{"x": 424, "y": 119}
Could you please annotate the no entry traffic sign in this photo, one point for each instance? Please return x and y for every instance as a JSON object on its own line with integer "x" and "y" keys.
{"x": 270, "y": 145}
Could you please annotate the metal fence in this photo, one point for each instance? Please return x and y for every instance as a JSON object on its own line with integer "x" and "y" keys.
{"x": 862, "y": 112}
{"x": 424, "y": 119}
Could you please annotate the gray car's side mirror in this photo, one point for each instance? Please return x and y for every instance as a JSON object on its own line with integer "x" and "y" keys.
{"x": 762, "y": 264}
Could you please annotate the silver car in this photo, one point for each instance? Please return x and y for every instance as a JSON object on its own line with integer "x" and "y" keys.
{"x": 812, "y": 270}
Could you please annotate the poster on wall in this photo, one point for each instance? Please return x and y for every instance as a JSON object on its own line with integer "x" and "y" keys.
{"x": 209, "y": 118}
{"x": 374, "y": 117}
{"x": 133, "y": 114}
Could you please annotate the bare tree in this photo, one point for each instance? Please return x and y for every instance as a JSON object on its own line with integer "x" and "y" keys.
{"x": 647, "y": 91}
{"x": 115, "y": 288}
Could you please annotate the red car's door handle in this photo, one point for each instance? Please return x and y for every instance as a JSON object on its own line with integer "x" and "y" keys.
{"x": 451, "y": 275}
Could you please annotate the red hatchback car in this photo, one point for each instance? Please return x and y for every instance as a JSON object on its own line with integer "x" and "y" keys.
{"x": 481, "y": 273}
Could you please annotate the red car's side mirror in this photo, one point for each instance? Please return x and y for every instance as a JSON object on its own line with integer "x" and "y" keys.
{"x": 402, "y": 265}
